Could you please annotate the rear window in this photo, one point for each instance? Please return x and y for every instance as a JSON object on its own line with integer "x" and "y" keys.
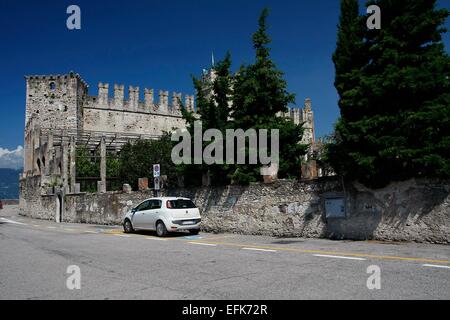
{"x": 180, "y": 204}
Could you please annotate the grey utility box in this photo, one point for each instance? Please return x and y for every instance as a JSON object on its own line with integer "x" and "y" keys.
{"x": 335, "y": 207}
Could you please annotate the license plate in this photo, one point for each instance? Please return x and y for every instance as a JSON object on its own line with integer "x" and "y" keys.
{"x": 188, "y": 222}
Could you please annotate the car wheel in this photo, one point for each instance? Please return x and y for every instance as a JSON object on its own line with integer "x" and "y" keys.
{"x": 128, "y": 227}
{"x": 161, "y": 229}
{"x": 194, "y": 232}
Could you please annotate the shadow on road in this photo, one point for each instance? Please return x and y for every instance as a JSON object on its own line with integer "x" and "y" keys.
{"x": 170, "y": 235}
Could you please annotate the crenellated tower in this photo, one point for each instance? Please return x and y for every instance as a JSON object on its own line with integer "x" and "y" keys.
{"x": 56, "y": 101}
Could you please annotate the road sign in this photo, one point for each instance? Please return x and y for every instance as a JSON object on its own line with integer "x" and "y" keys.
{"x": 156, "y": 171}
{"x": 157, "y": 184}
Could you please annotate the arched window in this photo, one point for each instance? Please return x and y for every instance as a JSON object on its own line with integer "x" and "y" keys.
{"x": 52, "y": 86}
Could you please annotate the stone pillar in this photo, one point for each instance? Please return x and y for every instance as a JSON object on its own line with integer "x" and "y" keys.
{"x": 118, "y": 96}
{"x": 102, "y": 186}
{"x": 176, "y": 98}
{"x": 103, "y": 92}
{"x": 148, "y": 99}
{"x": 127, "y": 188}
{"x": 65, "y": 167}
{"x": 49, "y": 161}
{"x": 143, "y": 184}
{"x": 164, "y": 101}
{"x": 190, "y": 103}
{"x": 73, "y": 174}
{"x": 270, "y": 173}
{"x": 309, "y": 170}
{"x": 133, "y": 97}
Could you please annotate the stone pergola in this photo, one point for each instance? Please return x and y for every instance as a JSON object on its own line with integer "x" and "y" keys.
{"x": 54, "y": 148}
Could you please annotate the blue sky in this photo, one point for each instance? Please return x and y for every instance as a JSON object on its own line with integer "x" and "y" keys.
{"x": 159, "y": 44}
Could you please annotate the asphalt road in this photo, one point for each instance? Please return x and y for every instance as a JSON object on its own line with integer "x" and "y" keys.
{"x": 35, "y": 256}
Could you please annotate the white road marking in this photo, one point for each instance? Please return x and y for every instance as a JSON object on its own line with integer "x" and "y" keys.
{"x": 256, "y": 249}
{"x": 36, "y": 225}
{"x": 51, "y": 227}
{"x": 338, "y": 257}
{"x": 93, "y": 232}
{"x": 66, "y": 229}
{"x": 204, "y": 244}
{"x": 156, "y": 239}
{"x": 435, "y": 266}
{"x": 13, "y": 222}
{"x": 192, "y": 238}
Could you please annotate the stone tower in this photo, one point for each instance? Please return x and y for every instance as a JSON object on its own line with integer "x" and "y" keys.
{"x": 307, "y": 117}
{"x": 55, "y": 101}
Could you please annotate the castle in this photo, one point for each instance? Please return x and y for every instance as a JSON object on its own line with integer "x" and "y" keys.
{"x": 61, "y": 116}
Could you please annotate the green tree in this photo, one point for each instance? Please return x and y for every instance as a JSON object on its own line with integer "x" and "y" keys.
{"x": 259, "y": 89}
{"x": 87, "y": 165}
{"x": 213, "y": 101}
{"x": 349, "y": 59}
{"x": 137, "y": 159}
{"x": 396, "y": 123}
{"x": 260, "y": 97}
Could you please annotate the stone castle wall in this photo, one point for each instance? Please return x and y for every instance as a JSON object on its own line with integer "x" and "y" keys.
{"x": 115, "y": 114}
{"x": 63, "y": 102}
{"x": 122, "y": 121}
{"x": 404, "y": 211}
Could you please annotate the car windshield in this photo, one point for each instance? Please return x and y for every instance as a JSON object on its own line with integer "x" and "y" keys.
{"x": 180, "y": 204}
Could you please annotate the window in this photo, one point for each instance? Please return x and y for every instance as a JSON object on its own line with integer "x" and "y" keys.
{"x": 52, "y": 86}
{"x": 155, "y": 204}
{"x": 180, "y": 204}
{"x": 143, "y": 206}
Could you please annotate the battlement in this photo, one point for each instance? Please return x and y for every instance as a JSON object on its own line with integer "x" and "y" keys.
{"x": 61, "y": 102}
{"x": 56, "y": 77}
{"x": 304, "y": 116}
{"x": 135, "y": 104}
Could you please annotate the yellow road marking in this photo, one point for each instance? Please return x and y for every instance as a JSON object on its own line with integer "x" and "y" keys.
{"x": 351, "y": 254}
{"x": 212, "y": 241}
{"x": 114, "y": 232}
{"x": 212, "y": 238}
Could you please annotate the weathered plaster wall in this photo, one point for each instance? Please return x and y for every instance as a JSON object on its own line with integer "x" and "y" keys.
{"x": 121, "y": 121}
{"x": 415, "y": 210}
{"x": 284, "y": 208}
{"x": 32, "y": 203}
{"x": 108, "y": 208}
{"x": 405, "y": 211}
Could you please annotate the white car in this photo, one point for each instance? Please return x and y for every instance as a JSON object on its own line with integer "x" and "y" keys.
{"x": 164, "y": 215}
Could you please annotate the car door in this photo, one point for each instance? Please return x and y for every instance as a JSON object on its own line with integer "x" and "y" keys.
{"x": 139, "y": 215}
{"x": 152, "y": 214}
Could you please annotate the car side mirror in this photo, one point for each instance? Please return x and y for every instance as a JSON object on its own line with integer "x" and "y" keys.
{"x": 133, "y": 210}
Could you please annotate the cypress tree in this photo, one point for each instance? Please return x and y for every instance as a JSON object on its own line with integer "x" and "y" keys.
{"x": 259, "y": 89}
{"x": 213, "y": 100}
{"x": 349, "y": 59}
{"x": 395, "y": 117}
{"x": 260, "y": 96}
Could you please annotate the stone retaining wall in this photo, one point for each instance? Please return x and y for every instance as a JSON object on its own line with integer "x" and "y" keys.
{"x": 404, "y": 211}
